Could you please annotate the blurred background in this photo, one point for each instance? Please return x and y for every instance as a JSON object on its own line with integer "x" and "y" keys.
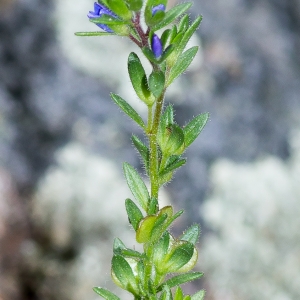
{"x": 63, "y": 141}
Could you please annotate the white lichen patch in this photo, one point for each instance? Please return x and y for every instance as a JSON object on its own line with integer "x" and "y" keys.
{"x": 254, "y": 249}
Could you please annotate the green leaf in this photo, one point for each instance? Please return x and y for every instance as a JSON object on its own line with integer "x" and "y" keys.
{"x": 180, "y": 279}
{"x": 183, "y": 24}
{"x": 173, "y": 218}
{"x": 173, "y": 33}
{"x": 93, "y": 33}
{"x": 188, "y": 34}
{"x": 108, "y": 20}
{"x": 122, "y": 274}
{"x": 149, "y": 54}
{"x": 182, "y": 64}
{"x": 158, "y": 227}
{"x": 143, "y": 151}
{"x": 187, "y": 297}
{"x": 106, "y": 294}
{"x": 166, "y": 294}
{"x": 118, "y": 246}
{"x": 199, "y": 295}
{"x": 119, "y": 7}
{"x": 180, "y": 256}
{"x": 161, "y": 248}
{"x": 134, "y": 213}
{"x": 178, "y": 293}
{"x": 172, "y": 166}
{"x": 172, "y": 15}
{"x": 191, "y": 234}
{"x": 166, "y": 119}
{"x": 165, "y": 37}
{"x": 193, "y": 128}
{"x": 171, "y": 141}
{"x": 153, "y": 206}
{"x": 139, "y": 79}
{"x": 178, "y": 38}
{"x": 136, "y": 185}
{"x": 128, "y": 109}
{"x": 134, "y": 5}
{"x": 157, "y": 83}
{"x": 131, "y": 253}
{"x": 144, "y": 232}
{"x": 168, "y": 51}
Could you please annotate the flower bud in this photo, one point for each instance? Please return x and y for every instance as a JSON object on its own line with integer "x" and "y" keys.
{"x": 159, "y": 7}
{"x": 100, "y": 10}
{"x": 156, "y": 46}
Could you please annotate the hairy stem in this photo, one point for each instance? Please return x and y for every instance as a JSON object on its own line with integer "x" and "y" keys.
{"x": 154, "y": 159}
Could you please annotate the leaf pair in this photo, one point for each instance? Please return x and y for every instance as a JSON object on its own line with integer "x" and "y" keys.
{"x": 146, "y": 90}
{"x": 179, "y": 61}
{"x": 136, "y": 185}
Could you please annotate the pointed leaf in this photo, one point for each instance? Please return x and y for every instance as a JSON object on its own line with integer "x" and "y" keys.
{"x": 118, "y": 246}
{"x": 188, "y": 34}
{"x": 166, "y": 294}
{"x": 149, "y": 54}
{"x": 199, "y": 295}
{"x": 136, "y": 185}
{"x": 94, "y": 33}
{"x": 131, "y": 253}
{"x": 180, "y": 279}
{"x": 127, "y": 108}
{"x": 134, "y": 213}
{"x": 193, "y": 128}
{"x": 171, "y": 167}
{"x": 167, "y": 52}
{"x": 191, "y": 234}
{"x": 106, "y": 19}
{"x": 165, "y": 37}
{"x": 182, "y": 64}
{"x": 178, "y": 294}
{"x": 183, "y": 24}
{"x": 172, "y": 15}
{"x": 106, "y": 294}
{"x": 139, "y": 79}
{"x": 173, "y": 218}
{"x": 143, "y": 150}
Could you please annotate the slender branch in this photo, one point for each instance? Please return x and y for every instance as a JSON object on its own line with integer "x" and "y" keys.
{"x": 135, "y": 41}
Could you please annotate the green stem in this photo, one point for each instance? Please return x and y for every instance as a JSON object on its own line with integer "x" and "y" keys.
{"x": 152, "y": 135}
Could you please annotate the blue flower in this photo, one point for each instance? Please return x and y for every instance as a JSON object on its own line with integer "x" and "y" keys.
{"x": 159, "y": 7}
{"x": 156, "y": 46}
{"x": 100, "y": 10}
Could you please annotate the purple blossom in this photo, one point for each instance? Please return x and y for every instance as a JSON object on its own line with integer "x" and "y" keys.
{"x": 100, "y": 10}
{"x": 159, "y": 7}
{"x": 156, "y": 46}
